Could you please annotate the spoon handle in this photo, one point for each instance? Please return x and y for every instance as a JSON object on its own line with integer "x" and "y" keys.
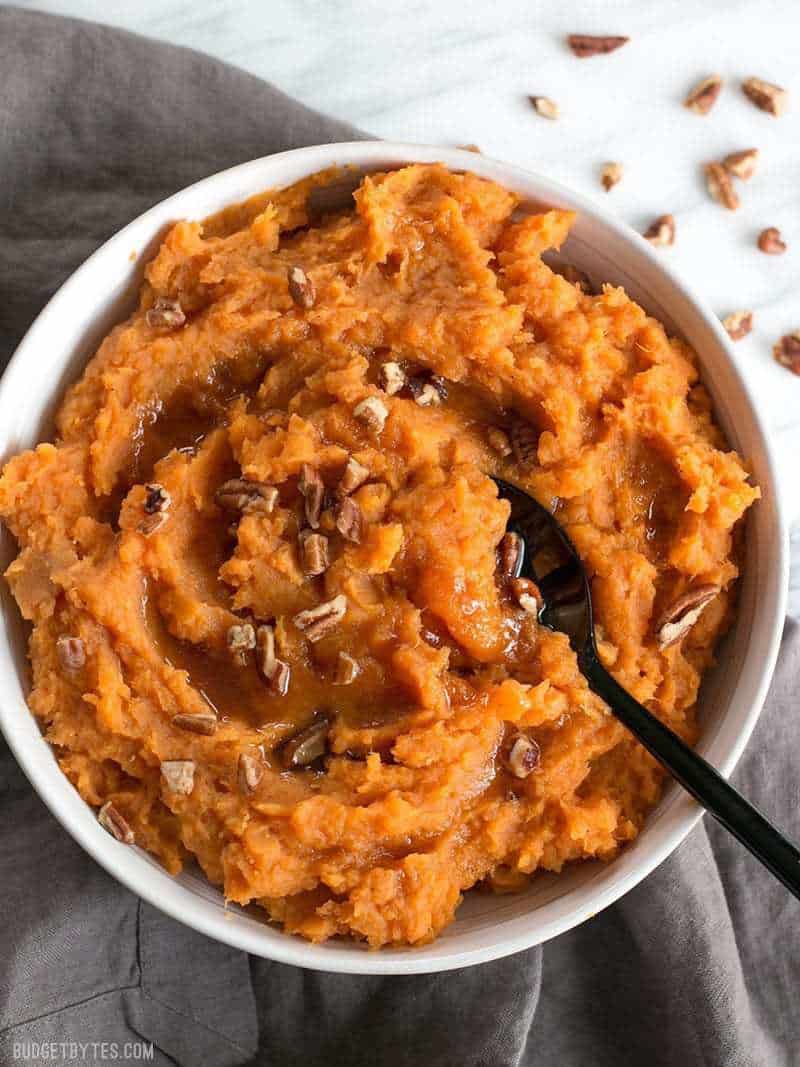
{"x": 700, "y": 779}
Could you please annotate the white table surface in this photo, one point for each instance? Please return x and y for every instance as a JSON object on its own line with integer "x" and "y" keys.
{"x": 454, "y": 72}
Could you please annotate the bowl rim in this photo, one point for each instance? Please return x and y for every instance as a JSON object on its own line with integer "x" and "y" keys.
{"x": 182, "y": 903}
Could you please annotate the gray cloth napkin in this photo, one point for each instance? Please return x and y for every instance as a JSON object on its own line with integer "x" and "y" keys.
{"x": 698, "y": 965}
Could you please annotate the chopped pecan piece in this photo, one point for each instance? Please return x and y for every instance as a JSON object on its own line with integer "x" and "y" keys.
{"x": 246, "y": 497}
{"x": 741, "y": 164}
{"x": 787, "y": 351}
{"x": 308, "y": 746}
{"x": 498, "y": 440}
{"x": 523, "y": 755}
{"x": 585, "y": 45}
{"x": 112, "y": 820}
{"x": 509, "y": 553}
{"x": 318, "y": 621}
{"x": 178, "y": 775}
{"x": 528, "y": 596}
{"x": 355, "y": 474}
{"x": 203, "y": 722}
{"x": 440, "y": 385}
{"x": 266, "y": 659}
{"x": 524, "y": 441}
{"x": 314, "y": 553}
{"x": 373, "y": 413}
{"x": 766, "y": 96}
{"x": 156, "y": 500}
{"x": 347, "y": 669}
{"x": 428, "y": 396}
{"x": 281, "y": 678}
{"x": 392, "y": 377}
{"x": 720, "y": 186}
{"x": 704, "y": 95}
{"x": 427, "y": 391}
{"x": 771, "y": 242}
{"x": 249, "y": 772}
{"x": 544, "y": 106}
{"x": 349, "y": 520}
{"x": 681, "y": 616}
{"x": 312, "y": 488}
{"x": 275, "y": 672}
{"x": 662, "y": 231}
{"x": 165, "y": 314}
{"x": 738, "y": 324}
{"x": 301, "y": 288}
{"x": 611, "y": 175}
{"x": 241, "y": 639}
{"x": 71, "y": 652}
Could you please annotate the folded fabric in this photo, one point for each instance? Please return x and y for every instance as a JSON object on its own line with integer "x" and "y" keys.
{"x": 698, "y": 965}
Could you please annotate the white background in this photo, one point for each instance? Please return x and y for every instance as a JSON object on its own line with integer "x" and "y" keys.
{"x": 457, "y": 71}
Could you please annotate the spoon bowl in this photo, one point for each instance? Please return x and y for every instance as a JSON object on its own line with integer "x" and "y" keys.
{"x": 548, "y": 557}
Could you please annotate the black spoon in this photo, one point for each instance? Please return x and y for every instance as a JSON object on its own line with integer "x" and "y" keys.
{"x": 548, "y": 557}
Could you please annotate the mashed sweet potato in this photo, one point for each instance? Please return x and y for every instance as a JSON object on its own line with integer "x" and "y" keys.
{"x": 269, "y": 626}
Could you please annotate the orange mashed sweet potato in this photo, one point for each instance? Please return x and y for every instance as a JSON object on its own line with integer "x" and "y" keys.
{"x": 270, "y": 631}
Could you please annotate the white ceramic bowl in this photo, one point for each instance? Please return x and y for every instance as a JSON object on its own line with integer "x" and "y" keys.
{"x": 101, "y": 292}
